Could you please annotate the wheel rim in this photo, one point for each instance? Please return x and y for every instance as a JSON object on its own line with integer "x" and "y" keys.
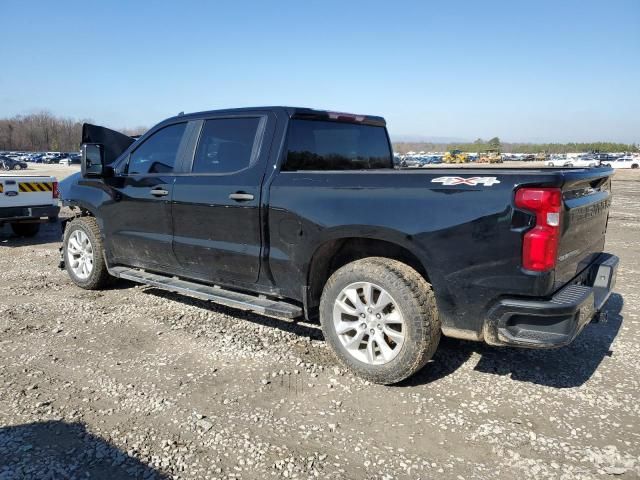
{"x": 80, "y": 254}
{"x": 368, "y": 323}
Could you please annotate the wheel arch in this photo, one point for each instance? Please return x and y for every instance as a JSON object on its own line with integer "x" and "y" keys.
{"x": 84, "y": 209}
{"x": 334, "y": 253}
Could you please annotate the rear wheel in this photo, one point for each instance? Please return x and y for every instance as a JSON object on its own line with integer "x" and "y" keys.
{"x": 635, "y": 165}
{"x": 380, "y": 318}
{"x": 25, "y": 229}
{"x": 83, "y": 254}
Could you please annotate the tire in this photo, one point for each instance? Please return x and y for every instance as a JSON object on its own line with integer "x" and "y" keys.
{"x": 411, "y": 296}
{"x": 635, "y": 165}
{"x": 25, "y": 229}
{"x": 97, "y": 276}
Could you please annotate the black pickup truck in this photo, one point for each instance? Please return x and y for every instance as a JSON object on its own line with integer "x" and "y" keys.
{"x": 297, "y": 212}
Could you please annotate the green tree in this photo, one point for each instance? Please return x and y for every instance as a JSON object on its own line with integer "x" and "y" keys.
{"x": 494, "y": 144}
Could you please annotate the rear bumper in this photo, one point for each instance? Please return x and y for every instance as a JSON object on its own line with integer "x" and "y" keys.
{"x": 18, "y": 214}
{"x": 557, "y": 321}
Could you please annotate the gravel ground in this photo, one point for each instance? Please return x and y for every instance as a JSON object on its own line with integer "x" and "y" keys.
{"x": 133, "y": 382}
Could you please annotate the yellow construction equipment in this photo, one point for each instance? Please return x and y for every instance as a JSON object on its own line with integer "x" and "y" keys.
{"x": 491, "y": 156}
{"x": 455, "y": 156}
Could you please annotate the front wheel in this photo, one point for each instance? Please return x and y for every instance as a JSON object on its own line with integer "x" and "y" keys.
{"x": 380, "y": 318}
{"x": 83, "y": 254}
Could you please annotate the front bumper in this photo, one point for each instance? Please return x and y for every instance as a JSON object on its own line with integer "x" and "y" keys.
{"x": 555, "y": 322}
{"x": 20, "y": 214}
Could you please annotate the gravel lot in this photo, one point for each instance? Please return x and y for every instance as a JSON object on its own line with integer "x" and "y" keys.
{"x": 133, "y": 382}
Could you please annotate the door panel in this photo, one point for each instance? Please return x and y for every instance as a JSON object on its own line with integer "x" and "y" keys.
{"x": 138, "y": 226}
{"x": 213, "y": 234}
{"x": 216, "y": 209}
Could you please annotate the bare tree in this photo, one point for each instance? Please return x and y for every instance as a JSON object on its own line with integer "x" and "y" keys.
{"x": 43, "y": 131}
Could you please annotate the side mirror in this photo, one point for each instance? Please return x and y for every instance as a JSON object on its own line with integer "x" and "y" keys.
{"x": 92, "y": 163}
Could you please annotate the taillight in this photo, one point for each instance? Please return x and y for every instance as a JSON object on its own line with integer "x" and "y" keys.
{"x": 540, "y": 244}
{"x": 56, "y": 192}
{"x": 349, "y": 117}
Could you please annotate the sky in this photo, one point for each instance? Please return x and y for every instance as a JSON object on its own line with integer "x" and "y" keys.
{"x": 521, "y": 70}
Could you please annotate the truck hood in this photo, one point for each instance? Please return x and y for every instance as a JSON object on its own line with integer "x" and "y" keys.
{"x": 114, "y": 142}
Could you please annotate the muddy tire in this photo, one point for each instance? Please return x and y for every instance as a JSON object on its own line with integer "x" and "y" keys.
{"x": 83, "y": 254}
{"x": 380, "y": 318}
{"x": 25, "y": 229}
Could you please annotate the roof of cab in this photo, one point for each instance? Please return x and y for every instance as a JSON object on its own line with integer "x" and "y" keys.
{"x": 292, "y": 112}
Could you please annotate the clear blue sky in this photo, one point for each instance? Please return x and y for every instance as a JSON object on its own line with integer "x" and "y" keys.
{"x": 536, "y": 70}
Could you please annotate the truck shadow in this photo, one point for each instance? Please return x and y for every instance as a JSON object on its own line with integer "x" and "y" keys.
{"x": 297, "y": 327}
{"x": 49, "y": 233}
{"x": 566, "y": 367}
{"x": 56, "y": 449}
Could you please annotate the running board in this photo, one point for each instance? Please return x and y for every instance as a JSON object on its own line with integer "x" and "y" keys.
{"x": 215, "y": 294}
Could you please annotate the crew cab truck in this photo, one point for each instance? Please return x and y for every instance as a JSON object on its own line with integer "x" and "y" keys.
{"x": 293, "y": 211}
{"x": 26, "y": 201}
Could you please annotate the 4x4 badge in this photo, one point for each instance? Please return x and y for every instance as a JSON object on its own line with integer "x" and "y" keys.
{"x": 486, "y": 181}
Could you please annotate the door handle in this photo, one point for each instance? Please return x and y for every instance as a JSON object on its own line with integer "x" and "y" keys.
{"x": 241, "y": 196}
{"x": 159, "y": 192}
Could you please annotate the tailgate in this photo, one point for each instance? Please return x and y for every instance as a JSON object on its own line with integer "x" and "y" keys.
{"x": 587, "y": 197}
{"x": 26, "y": 191}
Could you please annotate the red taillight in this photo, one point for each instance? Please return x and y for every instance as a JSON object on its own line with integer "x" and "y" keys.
{"x": 56, "y": 192}
{"x": 540, "y": 244}
{"x": 348, "y": 117}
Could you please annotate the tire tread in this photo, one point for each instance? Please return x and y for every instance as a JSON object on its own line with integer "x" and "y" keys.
{"x": 99, "y": 277}
{"x": 418, "y": 305}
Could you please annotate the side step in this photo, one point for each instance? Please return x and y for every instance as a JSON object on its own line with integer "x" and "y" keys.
{"x": 214, "y": 294}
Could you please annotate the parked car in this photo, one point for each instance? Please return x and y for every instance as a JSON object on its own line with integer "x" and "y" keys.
{"x": 70, "y": 159}
{"x": 296, "y": 212}
{"x": 627, "y": 161}
{"x": 582, "y": 161}
{"x": 7, "y": 163}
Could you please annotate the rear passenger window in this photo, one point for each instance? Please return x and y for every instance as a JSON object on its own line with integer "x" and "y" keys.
{"x": 158, "y": 152}
{"x": 226, "y": 145}
{"x": 325, "y": 145}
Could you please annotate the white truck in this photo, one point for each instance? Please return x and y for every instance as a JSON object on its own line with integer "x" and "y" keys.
{"x": 27, "y": 201}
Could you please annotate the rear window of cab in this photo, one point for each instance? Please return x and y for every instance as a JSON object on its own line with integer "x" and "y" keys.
{"x": 327, "y": 145}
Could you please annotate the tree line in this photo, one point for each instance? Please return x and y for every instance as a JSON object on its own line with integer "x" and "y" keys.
{"x": 495, "y": 144}
{"x": 45, "y": 132}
